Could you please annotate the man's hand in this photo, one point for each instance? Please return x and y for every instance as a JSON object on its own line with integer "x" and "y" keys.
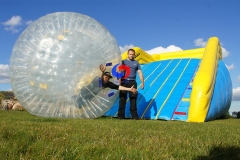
{"x": 134, "y": 90}
{"x": 142, "y": 86}
{"x": 120, "y": 81}
{"x": 102, "y": 67}
{"x": 141, "y": 78}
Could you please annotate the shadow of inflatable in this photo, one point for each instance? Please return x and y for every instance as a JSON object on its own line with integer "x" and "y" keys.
{"x": 221, "y": 153}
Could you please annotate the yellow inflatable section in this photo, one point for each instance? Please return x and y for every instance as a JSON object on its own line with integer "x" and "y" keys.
{"x": 204, "y": 81}
{"x": 193, "y": 53}
{"x": 143, "y": 57}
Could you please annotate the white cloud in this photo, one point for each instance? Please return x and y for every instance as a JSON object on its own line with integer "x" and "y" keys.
{"x": 230, "y": 67}
{"x": 157, "y": 50}
{"x": 236, "y": 94}
{"x": 200, "y": 43}
{"x": 125, "y": 48}
{"x": 4, "y": 74}
{"x": 14, "y": 23}
{"x": 225, "y": 53}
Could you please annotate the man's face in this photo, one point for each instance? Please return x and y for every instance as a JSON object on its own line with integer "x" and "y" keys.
{"x": 131, "y": 55}
{"x": 105, "y": 79}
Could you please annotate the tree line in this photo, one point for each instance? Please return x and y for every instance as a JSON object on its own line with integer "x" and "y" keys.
{"x": 236, "y": 114}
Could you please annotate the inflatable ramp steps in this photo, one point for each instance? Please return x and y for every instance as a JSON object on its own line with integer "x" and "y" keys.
{"x": 181, "y": 111}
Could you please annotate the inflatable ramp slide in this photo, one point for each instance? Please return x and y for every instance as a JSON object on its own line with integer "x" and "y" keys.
{"x": 190, "y": 85}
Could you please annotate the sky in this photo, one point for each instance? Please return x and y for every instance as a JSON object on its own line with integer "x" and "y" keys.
{"x": 156, "y": 26}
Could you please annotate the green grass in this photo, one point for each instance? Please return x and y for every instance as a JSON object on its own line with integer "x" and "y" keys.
{"x": 25, "y": 136}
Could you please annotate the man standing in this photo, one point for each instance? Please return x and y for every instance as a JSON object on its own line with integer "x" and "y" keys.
{"x": 128, "y": 82}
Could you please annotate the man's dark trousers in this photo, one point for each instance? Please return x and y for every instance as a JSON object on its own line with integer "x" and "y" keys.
{"x": 123, "y": 98}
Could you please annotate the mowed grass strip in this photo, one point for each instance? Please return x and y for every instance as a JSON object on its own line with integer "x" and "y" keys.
{"x": 25, "y": 136}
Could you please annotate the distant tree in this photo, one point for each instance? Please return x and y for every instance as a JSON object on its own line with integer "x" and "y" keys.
{"x": 238, "y": 114}
{"x": 225, "y": 116}
{"x": 234, "y": 114}
{"x": 1, "y": 96}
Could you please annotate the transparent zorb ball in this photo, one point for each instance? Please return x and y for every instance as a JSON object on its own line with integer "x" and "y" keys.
{"x": 54, "y": 67}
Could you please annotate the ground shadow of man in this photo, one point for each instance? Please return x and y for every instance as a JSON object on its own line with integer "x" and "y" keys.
{"x": 147, "y": 109}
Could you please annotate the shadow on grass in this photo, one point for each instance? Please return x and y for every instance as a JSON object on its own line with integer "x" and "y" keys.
{"x": 222, "y": 153}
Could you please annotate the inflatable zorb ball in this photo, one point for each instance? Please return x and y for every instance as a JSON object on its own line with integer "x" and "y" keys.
{"x": 54, "y": 67}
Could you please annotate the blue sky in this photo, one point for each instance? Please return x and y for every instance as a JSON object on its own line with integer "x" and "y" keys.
{"x": 153, "y": 25}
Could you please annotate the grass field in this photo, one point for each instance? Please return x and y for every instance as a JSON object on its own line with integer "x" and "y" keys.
{"x": 25, "y": 136}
